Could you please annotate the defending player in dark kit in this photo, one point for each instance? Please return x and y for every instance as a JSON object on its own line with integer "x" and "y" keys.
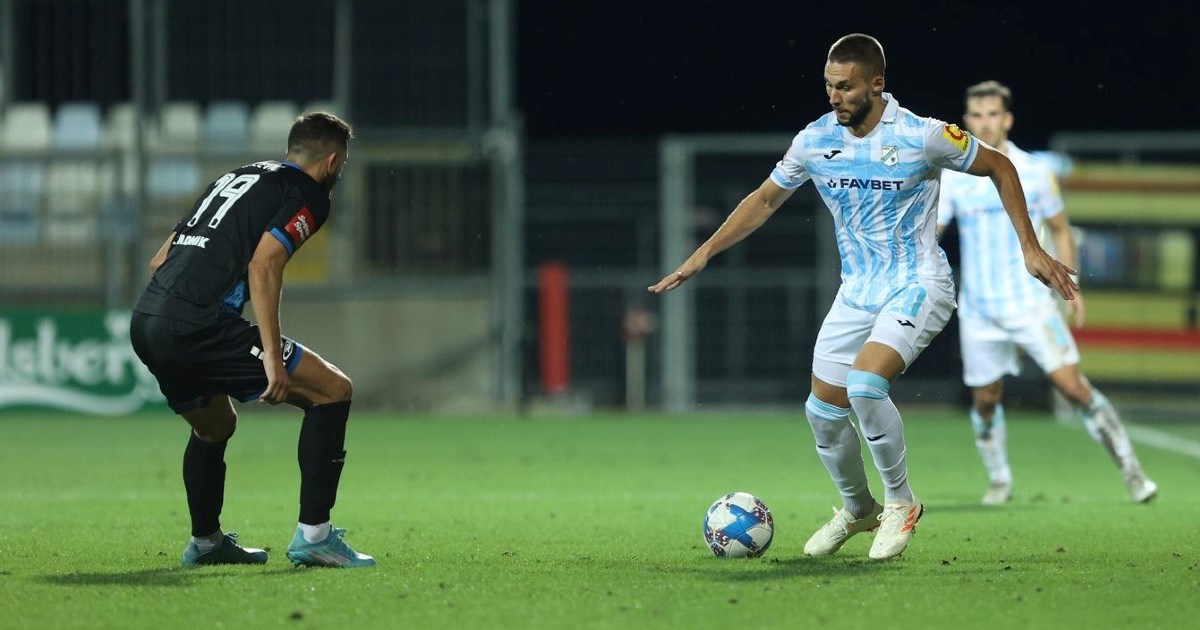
{"x": 187, "y": 327}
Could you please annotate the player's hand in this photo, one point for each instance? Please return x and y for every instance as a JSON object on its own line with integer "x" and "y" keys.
{"x": 1075, "y": 310}
{"x": 690, "y": 267}
{"x": 278, "y": 381}
{"x": 1050, "y": 272}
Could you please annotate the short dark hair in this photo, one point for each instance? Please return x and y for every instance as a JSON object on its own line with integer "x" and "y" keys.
{"x": 992, "y": 88}
{"x": 317, "y": 134}
{"x": 862, "y": 49}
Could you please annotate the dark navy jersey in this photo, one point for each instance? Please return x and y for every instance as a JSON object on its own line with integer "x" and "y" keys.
{"x": 205, "y": 274}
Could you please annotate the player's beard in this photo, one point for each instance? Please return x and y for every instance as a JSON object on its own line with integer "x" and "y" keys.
{"x": 331, "y": 180}
{"x": 860, "y": 114}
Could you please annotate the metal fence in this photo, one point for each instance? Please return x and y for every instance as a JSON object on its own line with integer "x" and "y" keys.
{"x": 114, "y": 115}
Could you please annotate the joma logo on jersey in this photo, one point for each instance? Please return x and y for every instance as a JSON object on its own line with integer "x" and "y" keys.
{"x": 195, "y": 241}
{"x": 866, "y": 184}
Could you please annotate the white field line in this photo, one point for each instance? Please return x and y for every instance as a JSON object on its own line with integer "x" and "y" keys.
{"x": 1163, "y": 440}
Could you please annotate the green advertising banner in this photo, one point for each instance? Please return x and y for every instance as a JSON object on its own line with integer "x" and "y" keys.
{"x": 78, "y": 360}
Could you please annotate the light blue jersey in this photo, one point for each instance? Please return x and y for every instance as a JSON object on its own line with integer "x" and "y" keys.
{"x": 994, "y": 281}
{"x": 883, "y": 193}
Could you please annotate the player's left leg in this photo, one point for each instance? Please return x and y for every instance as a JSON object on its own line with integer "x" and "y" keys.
{"x": 903, "y": 329}
{"x": 867, "y": 387}
{"x": 324, "y": 393}
{"x": 1104, "y": 424}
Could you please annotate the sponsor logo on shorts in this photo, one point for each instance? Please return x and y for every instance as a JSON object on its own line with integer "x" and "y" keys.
{"x": 286, "y": 346}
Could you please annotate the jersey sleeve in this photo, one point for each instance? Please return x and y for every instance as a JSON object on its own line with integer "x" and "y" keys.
{"x": 947, "y": 146}
{"x": 296, "y": 222}
{"x": 790, "y": 172}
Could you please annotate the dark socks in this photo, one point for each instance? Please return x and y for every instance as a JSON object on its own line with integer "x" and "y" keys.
{"x": 321, "y": 456}
{"x": 204, "y": 480}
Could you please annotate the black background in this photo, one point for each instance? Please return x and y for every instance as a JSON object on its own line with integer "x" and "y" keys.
{"x": 643, "y": 68}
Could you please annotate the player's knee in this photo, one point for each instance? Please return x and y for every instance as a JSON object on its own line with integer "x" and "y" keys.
{"x": 861, "y": 384}
{"x": 986, "y": 406}
{"x": 1079, "y": 394}
{"x": 216, "y": 429}
{"x": 341, "y": 388}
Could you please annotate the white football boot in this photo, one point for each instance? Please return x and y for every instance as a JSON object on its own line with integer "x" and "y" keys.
{"x": 998, "y": 493}
{"x": 896, "y": 526}
{"x": 839, "y": 529}
{"x": 1141, "y": 488}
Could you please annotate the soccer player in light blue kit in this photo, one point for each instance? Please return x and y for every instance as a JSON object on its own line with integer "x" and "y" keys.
{"x": 1001, "y": 309}
{"x": 877, "y": 167}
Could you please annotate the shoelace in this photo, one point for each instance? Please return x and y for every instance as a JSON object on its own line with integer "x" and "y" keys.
{"x": 888, "y": 514}
{"x": 340, "y": 545}
{"x": 841, "y": 522}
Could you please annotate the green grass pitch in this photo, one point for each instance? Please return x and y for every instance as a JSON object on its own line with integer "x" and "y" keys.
{"x": 585, "y": 522}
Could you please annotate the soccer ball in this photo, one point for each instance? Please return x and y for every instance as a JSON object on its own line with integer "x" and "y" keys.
{"x": 738, "y": 525}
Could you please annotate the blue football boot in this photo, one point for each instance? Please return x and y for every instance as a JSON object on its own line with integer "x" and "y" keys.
{"x": 331, "y": 552}
{"x": 228, "y": 552}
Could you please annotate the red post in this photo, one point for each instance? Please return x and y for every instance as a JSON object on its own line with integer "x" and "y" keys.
{"x": 554, "y": 339}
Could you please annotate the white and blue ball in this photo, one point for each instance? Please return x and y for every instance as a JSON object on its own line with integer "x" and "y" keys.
{"x": 738, "y": 525}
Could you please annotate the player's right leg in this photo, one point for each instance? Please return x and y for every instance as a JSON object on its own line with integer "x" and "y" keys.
{"x": 991, "y": 437}
{"x": 324, "y": 393}
{"x": 841, "y": 336}
{"x": 213, "y": 423}
{"x": 840, "y": 451}
{"x": 1052, "y": 346}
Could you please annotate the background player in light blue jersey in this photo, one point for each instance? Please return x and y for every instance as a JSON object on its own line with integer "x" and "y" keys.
{"x": 1000, "y": 309}
{"x": 877, "y": 167}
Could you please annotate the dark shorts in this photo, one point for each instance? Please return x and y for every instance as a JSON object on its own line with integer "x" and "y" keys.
{"x": 193, "y": 364}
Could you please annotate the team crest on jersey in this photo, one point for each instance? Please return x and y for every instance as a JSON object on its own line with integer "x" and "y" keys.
{"x": 956, "y": 136}
{"x": 300, "y": 226}
{"x": 890, "y": 155}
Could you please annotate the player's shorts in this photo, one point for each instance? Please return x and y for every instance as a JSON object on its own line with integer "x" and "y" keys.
{"x": 192, "y": 365}
{"x": 907, "y": 323}
{"x": 989, "y": 345}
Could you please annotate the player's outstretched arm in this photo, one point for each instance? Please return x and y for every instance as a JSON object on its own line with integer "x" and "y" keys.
{"x": 265, "y": 275}
{"x": 1040, "y": 264}
{"x": 748, "y": 216}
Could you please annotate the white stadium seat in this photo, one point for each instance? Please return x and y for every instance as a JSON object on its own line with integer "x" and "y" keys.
{"x": 26, "y": 126}
{"x": 226, "y": 125}
{"x": 76, "y": 126}
{"x": 179, "y": 124}
{"x": 270, "y": 124}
